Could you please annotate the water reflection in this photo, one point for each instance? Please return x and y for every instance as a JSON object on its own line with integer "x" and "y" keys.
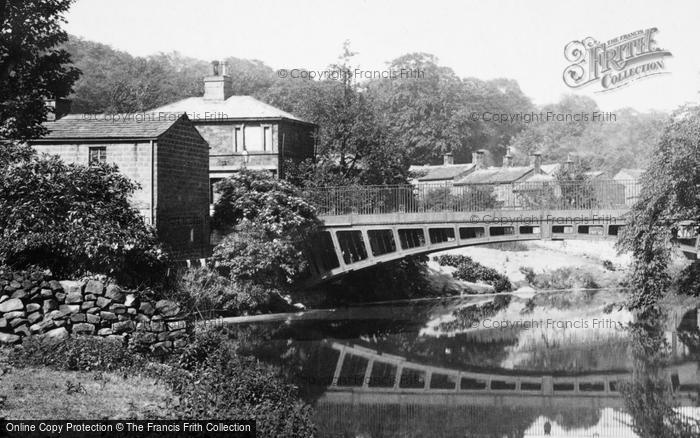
{"x": 567, "y": 364}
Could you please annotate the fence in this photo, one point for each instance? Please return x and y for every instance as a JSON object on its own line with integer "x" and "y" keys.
{"x": 446, "y": 197}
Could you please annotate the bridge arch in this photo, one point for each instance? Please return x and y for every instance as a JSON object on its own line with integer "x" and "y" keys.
{"x": 347, "y": 244}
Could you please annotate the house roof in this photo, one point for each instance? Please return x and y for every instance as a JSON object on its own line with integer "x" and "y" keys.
{"x": 109, "y": 126}
{"x": 550, "y": 168}
{"x": 629, "y": 173}
{"x": 443, "y": 172}
{"x": 541, "y": 177}
{"x": 594, "y": 173}
{"x": 495, "y": 175}
{"x": 235, "y": 107}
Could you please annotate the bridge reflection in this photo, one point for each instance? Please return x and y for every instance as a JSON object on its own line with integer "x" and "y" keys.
{"x": 365, "y": 376}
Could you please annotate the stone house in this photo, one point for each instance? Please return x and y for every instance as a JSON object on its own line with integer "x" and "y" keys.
{"x": 169, "y": 159}
{"x": 243, "y": 131}
{"x": 434, "y": 175}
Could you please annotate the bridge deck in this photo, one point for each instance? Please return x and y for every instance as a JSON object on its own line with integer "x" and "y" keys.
{"x": 366, "y": 226}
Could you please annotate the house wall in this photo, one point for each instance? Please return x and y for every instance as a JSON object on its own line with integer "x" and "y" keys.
{"x": 182, "y": 207}
{"x": 265, "y": 150}
{"x": 133, "y": 160}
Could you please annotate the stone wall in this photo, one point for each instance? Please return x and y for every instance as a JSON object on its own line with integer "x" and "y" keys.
{"x": 32, "y": 303}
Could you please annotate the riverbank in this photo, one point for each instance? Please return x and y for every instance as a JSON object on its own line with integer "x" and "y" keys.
{"x": 539, "y": 256}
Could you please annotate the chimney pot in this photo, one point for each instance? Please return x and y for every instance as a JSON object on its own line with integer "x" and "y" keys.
{"x": 219, "y": 86}
{"x": 478, "y": 159}
{"x": 536, "y": 162}
{"x": 57, "y": 108}
{"x": 508, "y": 158}
{"x": 448, "y": 159}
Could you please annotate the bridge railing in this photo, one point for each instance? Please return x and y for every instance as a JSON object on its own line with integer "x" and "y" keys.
{"x": 446, "y": 197}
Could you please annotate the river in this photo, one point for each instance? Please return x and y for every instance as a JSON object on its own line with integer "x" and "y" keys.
{"x": 569, "y": 363}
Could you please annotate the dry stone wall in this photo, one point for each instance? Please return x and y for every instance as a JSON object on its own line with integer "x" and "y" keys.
{"x": 35, "y": 304}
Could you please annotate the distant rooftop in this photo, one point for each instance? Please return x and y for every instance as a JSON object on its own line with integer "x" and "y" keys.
{"x": 629, "y": 173}
{"x": 496, "y": 175}
{"x": 96, "y": 126}
{"x": 235, "y": 107}
{"x": 441, "y": 172}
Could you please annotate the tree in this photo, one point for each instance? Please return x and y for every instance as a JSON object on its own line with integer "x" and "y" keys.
{"x": 271, "y": 224}
{"x": 354, "y": 140}
{"x": 32, "y": 68}
{"x": 669, "y": 200}
{"x": 74, "y": 220}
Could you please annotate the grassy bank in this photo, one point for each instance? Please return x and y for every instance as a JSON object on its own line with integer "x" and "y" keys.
{"x": 43, "y": 393}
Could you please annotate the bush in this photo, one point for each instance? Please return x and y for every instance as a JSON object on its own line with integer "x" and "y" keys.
{"x": 271, "y": 225}
{"x": 74, "y": 220}
{"x": 226, "y": 385}
{"x": 471, "y": 271}
{"x": 561, "y": 278}
{"x": 76, "y": 353}
{"x": 607, "y": 264}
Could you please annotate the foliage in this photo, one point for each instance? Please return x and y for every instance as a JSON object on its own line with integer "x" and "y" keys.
{"x": 258, "y": 197}
{"x": 272, "y": 224}
{"x": 689, "y": 280}
{"x": 227, "y": 385}
{"x": 669, "y": 199}
{"x": 561, "y": 278}
{"x": 12, "y": 152}
{"x": 75, "y": 353}
{"x": 467, "y": 198}
{"x": 207, "y": 293}
{"x": 399, "y": 279}
{"x": 471, "y": 271}
{"x": 75, "y": 219}
{"x": 32, "y": 68}
{"x": 648, "y": 397}
{"x": 628, "y": 141}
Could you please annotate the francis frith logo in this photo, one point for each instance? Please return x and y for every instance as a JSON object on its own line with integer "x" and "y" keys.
{"x": 616, "y": 62}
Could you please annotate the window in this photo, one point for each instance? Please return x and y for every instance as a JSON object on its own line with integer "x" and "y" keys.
{"x": 253, "y": 138}
{"x": 267, "y": 138}
{"x": 97, "y": 155}
{"x": 238, "y": 139}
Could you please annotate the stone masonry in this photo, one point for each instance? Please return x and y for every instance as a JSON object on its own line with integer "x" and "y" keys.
{"x": 32, "y": 303}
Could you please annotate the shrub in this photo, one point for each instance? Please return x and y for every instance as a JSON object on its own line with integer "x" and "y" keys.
{"x": 471, "y": 271}
{"x": 271, "y": 224}
{"x": 226, "y": 385}
{"x": 198, "y": 350}
{"x": 73, "y": 220}
{"x": 561, "y": 278}
{"x": 76, "y": 353}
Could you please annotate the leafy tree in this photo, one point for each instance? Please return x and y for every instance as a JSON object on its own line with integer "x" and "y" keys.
{"x": 424, "y": 113}
{"x": 74, "y": 219}
{"x": 32, "y": 68}
{"x": 354, "y": 141}
{"x": 670, "y": 197}
{"x": 272, "y": 222}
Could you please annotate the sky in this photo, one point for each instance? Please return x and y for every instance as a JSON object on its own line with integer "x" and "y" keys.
{"x": 521, "y": 40}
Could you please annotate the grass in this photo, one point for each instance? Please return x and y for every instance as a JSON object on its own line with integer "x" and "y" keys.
{"x": 43, "y": 393}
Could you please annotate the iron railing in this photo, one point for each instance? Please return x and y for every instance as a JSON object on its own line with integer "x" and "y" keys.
{"x": 447, "y": 197}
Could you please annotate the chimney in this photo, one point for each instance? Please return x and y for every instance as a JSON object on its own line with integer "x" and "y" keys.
{"x": 508, "y": 158}
{"x": 57, "y": 108}
{"x": 569, "y": 163}
{"x": 448, "y": 159}
{"x": 536, "y": 162}
{"x": 478, "y": 159}
{"x": 218, "y": 86}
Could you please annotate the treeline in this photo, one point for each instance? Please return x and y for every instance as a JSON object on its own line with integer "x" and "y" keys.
{"x": 371, "y": 131}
